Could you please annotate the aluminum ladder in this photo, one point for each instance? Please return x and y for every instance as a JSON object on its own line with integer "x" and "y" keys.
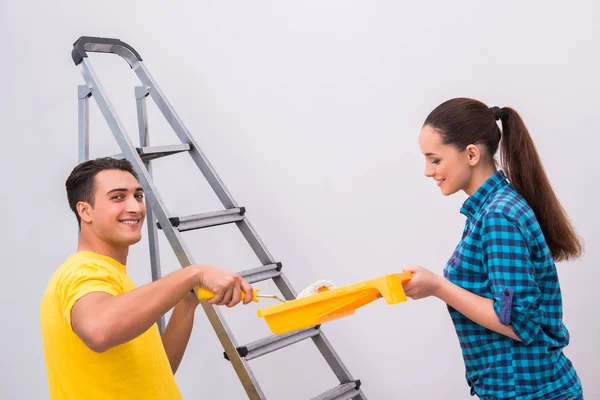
{"x": 140, "y": 157}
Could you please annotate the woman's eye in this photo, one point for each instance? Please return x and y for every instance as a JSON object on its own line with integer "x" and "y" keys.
{"x": 435, "y": 161}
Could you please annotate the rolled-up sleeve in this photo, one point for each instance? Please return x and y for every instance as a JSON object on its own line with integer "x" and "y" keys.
{"x": 511, "y": 276}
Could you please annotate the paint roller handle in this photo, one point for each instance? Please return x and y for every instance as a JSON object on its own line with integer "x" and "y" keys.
{"x": 204, "y": 294}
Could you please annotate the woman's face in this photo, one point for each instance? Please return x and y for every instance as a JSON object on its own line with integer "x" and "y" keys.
{"x": 448, "y": 166}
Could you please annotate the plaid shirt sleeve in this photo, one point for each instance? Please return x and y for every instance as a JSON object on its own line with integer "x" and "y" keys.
{"x": 506, "y": 258}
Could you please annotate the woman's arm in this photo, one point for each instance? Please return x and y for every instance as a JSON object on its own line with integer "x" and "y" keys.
{"x": 478, "y": 309}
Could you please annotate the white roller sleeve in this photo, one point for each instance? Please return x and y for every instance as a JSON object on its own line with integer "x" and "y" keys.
{"x": 314, "y": 288}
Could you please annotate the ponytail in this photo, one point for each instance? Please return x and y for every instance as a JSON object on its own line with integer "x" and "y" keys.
{"x": 523, "y": 167}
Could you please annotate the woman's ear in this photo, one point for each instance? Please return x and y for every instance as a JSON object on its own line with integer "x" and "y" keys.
{"x": 473, "y": 153}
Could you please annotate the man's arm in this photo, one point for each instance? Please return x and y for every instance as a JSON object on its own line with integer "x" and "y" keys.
{"x": 177, "y": 334}
{"x": 103, "y": 321}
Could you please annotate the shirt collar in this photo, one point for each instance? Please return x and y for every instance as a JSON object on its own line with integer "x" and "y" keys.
{"x": 88, "y": 254}
{"x": 474, "y": 203}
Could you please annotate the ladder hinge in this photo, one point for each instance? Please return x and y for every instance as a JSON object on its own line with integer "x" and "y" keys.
{"x": 175, "y": 221}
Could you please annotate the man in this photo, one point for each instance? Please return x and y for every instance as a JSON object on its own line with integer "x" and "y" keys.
{"x": 100, "y": 336}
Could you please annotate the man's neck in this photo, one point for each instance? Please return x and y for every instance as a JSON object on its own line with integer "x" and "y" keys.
{"x": 98, "y": 246}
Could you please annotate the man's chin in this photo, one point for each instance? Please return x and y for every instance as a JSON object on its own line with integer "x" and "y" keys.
{"x": 130, "y": 241}
{"x": 135, "y": 240}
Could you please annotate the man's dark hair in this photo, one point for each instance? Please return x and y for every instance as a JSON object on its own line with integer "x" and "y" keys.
{"x": 80, "y": 183}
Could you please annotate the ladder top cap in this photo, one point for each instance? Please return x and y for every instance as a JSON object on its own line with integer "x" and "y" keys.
{"x": 99, "y": 45}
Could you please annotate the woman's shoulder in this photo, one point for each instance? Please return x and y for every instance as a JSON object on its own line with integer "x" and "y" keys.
{"x": 507, "y": 211}
{"x": 506, "y": 202}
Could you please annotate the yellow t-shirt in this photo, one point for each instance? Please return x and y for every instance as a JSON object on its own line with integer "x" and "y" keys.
{"x": 138, "y": 369}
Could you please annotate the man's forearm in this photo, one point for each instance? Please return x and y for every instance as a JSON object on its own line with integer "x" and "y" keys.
{"x": 177, "y": 334}
{"x": 478, "y": 309}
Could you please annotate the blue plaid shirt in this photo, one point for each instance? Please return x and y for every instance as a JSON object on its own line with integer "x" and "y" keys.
{"x": 503, "y": 256}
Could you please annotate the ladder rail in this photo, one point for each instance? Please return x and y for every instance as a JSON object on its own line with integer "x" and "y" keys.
{"x": 83, "y": 101}
{"x": 184, "y": 135}
{"x": 182, "y": 253}
{"x": 202, "y": 162}
{"x": 248, "y": 231}
{"x": 142, "y": 114}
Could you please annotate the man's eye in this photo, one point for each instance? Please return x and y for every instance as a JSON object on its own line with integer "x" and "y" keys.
{"x": 139, "y": 196}
{"x": 117, "y": 197}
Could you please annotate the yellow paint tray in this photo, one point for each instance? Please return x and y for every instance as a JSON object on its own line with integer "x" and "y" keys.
{"x": 333, "y": 304}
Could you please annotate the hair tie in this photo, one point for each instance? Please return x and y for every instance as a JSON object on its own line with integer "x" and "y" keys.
{"x": 497, "y": 111}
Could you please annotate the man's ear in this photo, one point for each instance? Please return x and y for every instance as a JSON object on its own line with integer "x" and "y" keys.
{"x": 473, "y": 153}
{"x": 84, "y": 210}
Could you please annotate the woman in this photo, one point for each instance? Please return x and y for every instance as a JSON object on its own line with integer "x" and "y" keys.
{"x": 500, "y": 284}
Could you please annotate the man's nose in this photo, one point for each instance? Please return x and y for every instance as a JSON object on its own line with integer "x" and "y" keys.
{"x": 134, "y": 205}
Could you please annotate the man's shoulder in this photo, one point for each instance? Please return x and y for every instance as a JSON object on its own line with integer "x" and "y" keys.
{"x": 78, "y": 271}
{"x": 53, "y": 287}
{"x": 80, "y": 264}
{"x": 71, "y": 264}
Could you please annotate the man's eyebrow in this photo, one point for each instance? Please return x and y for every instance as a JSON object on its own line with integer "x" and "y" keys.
{"x": 138, "y": 189}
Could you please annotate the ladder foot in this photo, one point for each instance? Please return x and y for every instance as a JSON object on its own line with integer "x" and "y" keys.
{"x": 344, "y": 391}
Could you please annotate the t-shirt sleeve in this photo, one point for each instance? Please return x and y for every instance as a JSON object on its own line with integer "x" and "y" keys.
{"x": 82, "y": 280}
{"x": 511, "y": 276}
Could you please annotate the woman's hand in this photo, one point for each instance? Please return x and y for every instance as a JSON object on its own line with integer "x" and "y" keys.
{"x": 424, "y": 283}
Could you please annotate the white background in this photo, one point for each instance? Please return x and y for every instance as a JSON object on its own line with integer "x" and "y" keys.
{"x": 310, "y": 112}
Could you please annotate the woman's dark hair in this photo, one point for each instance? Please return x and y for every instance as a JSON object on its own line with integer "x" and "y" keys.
{"x": 463, "y": 121}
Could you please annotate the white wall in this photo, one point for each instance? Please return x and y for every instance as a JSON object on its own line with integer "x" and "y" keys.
{"x": 310, "y": 113}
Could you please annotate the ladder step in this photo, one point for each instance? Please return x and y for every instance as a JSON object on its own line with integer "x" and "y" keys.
{"x": 261, "y": 273}
{"x": 345, "y": 391}
{"x": 198, "y": 221}
{"x": 274, "y": 342}
{"x": 154, "y": 152}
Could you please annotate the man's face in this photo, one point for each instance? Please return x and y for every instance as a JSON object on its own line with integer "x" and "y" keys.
{"x": 119, "y": 210}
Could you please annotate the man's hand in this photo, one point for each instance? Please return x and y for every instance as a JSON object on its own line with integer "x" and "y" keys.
{"x": 424, "y": 283}
{"x": 190, "y": 300}
{"x": 227, "y": 286}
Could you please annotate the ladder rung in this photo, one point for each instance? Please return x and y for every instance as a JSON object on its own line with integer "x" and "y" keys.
{"x": 198, "y": 221}
{"x": 261, "y": 273}
{"x": 153, "y": 152}
{"x": 275, "y": 342}
{"x": 345, "y": 391}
